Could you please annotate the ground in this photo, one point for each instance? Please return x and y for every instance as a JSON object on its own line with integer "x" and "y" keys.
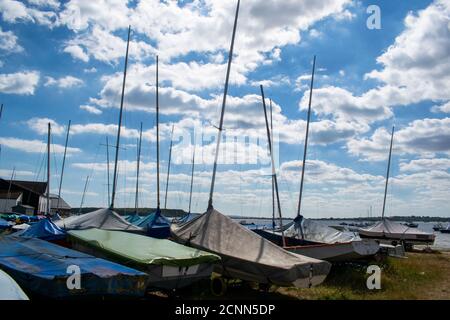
{"x": 419, "y": 276}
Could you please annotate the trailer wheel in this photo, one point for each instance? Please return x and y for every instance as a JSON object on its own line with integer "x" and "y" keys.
{"x": 218, "y": 286}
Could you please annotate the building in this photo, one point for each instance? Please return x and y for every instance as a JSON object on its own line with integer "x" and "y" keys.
{"x": 28, "y": 194}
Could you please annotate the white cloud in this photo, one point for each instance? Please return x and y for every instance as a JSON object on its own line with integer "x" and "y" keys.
{"x": 54, "y": 4}
{"x": 91, "y": 109}
{"x": 15, "y": 11}
{"x": 444, "y": 108}
{"x": 40, "y": 126}
{"x": 19, "y": 83}
{"x": 425, "y": 165}
{"x": 91, "y": 70}
{"x": 64, "y": 82}
{"x": 77, "y": 52}
{"x": 34, "y": 146}
{"x": 8, "y": 42}
{"x": 424, "y": 137}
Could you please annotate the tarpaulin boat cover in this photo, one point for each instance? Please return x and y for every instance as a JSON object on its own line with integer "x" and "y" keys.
{"x": 44, "y": 229}
{"x": 56, "y": 217}
{"x": 142, "y": 249}
{"x": 316, "y": 232}
{"x": 156, "y": 225}
{"x": 245, "y": 255}
{"x": 4, "y": 224}
{"x": 105, "y": 219}
{"x": 134, "y": 219}
{"x": 42, "y": 267}
{"x": 390, "y": 229}
{"x": 9, "y": 289}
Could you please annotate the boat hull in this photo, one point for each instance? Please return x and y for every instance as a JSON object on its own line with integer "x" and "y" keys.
{"x": 396, "y": 238}
{"x": 335, "y": 252}
{"x": 41, "y": 268}
{"x": 158, "y": 276}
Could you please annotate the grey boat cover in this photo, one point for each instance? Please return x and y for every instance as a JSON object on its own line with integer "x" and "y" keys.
{"x": 9, "y": 289}
{"x": 394, "y": 230}
{"x": 105, "y": 219}
{"x": 246, "y": 255}
{"x": 316, "y": 232}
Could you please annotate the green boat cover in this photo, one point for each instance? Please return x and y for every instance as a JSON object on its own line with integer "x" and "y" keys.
{"x": 141, "y": 250}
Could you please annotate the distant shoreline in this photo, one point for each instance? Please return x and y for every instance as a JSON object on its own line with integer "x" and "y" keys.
{"x": 180, "y": 212}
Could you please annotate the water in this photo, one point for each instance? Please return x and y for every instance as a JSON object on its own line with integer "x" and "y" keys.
{"x": 442, "y": 240}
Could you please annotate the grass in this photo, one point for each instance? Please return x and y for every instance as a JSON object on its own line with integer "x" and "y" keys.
{"x": 420, "y": 276}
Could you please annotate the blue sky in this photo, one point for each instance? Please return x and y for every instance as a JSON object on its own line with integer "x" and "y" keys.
{"x": 62, "y": 61}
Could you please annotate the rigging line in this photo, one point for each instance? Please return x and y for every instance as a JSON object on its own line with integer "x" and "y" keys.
{"x": 136, "y": 200}
{"x": 63, "y": 165}
{"x": 168, "y": 167}
{"x": 387, "y": 173}
{"x": 157, "y": 135}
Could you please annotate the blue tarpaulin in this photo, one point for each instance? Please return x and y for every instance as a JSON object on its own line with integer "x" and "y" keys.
{"x": 44, "y": 268}
{"x": 156, "y": 225}
{"x": 4, "y": 224}
{"x": 134, "y": 219}
{"x": 45, "y": 230}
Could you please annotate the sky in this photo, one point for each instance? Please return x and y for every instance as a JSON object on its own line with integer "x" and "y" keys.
{"x": 378, "y": 64}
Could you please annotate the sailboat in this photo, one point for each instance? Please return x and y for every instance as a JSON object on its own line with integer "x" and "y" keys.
{"x": 245, "y": 255}
{"x": 305, "y": 236}
{"x": 168, "y": 265}
{"x": 41, "y": 267}
{"x": 391, "y": 232}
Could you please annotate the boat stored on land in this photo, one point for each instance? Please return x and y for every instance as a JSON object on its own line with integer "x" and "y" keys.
{"x": 105, "y": 219}
{"x": 169, "y": 265}
{"x": 389, "y": 231}
{"x": 247, "y": 256}
{"x": 9, "y": 289}
{"x": 45, "y": 269}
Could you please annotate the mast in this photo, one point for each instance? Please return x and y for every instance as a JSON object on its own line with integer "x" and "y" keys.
{"x": 387, "y": 173}
{"x": 225, "y": 91}
{"x": 274, "y": 175}
{"x": 84, "y": 193}
{"x": 273, "y": 186}
{"x": 120, "y": 123}
{"x": 136, "y": 202}
{"x": 48, "y": 170}
{"x": 63, "y": 165}
{"x": 9, "y": 187}
{"x": 306, "y": 145}
{"x": 158, "y": 204}
{"x": 192, "y": 179}
{"x": 306, "y": 140}
{"x": 168, "y": 168}
{"x": 107, "y": 168}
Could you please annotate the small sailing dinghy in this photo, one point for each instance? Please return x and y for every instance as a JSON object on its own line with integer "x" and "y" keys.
{"x": 9, "y": 289}
{"x": 247, "y": 256}
{"x": 104, "y": 218}
{"x": 42, "y": 267}
{"x": 169, "y": 265}
{"x": 393, "y": 232}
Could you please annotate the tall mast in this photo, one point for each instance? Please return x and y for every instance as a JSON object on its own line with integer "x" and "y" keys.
{"x": 107, "y": 169}
{"x": 48, "y": 170}
{"x": 306, "y": 141}
{"x": 168, "y": 168}
{"x": 136, "y": 202}
{"x": 9, "y": 187}
{"x": 63, "y": 165}
{"x": 192, "y": 180}
{"x": 273, "y": 183}
{"x": 274, "y": 175}
{"x": 225, "y": 92}
{"x": 158, "y": 204}
{"x": 84, "y": 193}
{"x": 120, "y": 123}
{"x": 387, "y": 173}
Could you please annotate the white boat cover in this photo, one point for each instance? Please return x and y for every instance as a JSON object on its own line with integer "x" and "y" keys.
{"x": 246, "y": 255}
{"x": 394, "y": 230}
{"x": 9, "y": 289}
{"x": 316, "y": 232}
{"x": 22, "y": 226}
{"x": 105, "y": 219}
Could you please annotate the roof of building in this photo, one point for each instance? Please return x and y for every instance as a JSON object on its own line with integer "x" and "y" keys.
{"x": 62, "y": 203}
{"x": 9, "y": 195}
{"x": 38, "y": 187}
